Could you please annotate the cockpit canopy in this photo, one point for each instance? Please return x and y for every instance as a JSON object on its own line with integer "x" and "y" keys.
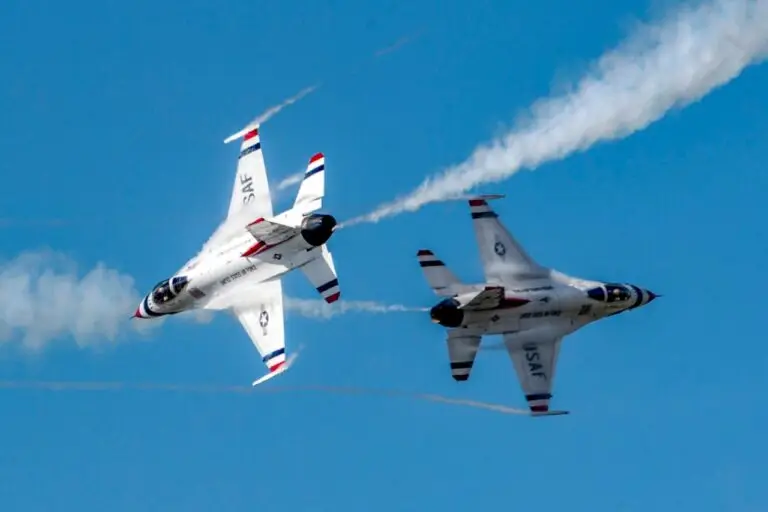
{"x": 167, "y": 290}
{"x": 610, "y": 293}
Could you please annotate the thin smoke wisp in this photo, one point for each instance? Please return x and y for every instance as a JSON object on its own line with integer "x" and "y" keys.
{"x": 273, "y": 111}
{"x": 398, "y": 44}
{"x": 661, "y": 66}
{"x": 270, "y": 112}
{"x": 320, "y": 309}
{"x": 247, "y": 390}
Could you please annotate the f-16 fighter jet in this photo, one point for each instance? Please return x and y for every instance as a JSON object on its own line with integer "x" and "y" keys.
{"x": 531, "y": 306}
{"x": 242, "y": 272}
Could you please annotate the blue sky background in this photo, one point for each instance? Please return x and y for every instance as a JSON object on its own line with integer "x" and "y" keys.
{"x": 112, "y": 117}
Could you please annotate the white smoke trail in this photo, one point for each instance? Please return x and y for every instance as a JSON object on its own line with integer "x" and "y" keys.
{"x": 214, "y": 388}
{"x": 308, "y": 308}
{"x": 43, "y": 297}
{"x": 665, "y": 65}
{"x": 320, "y": 309}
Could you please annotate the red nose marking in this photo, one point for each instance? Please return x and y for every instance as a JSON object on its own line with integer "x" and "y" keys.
{"x": 137, "y": 314}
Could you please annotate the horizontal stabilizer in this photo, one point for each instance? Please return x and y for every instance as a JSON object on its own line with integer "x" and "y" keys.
{"x": 321, "y": 272}
{"x": 462, "y": 350}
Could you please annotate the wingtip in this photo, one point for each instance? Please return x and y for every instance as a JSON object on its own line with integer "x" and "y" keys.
{"x": 277, "y": 371}
{"x": 316, "y": 157}
{"x": 282, "y": 367}
{"x": 249, "y": 132}
{"x": 478, "y": 197}
{"x": 549, "y": 413}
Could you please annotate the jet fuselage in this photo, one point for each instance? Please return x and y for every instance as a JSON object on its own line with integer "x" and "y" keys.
{"x": 209, "y": 275}
{"x": 557, "y": 308}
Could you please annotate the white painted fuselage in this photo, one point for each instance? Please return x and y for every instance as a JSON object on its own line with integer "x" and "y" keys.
{"x": 210, "y": 277}
{"x": 550, "y": 309}
{"x": 208, "y": 280}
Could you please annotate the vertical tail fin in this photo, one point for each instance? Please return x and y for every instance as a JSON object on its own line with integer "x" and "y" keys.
{"x": 438, "y": 276}
{"x": 312, "y": 189}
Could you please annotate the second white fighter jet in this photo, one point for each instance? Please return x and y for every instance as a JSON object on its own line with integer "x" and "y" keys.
{"x": 531, "y": 306}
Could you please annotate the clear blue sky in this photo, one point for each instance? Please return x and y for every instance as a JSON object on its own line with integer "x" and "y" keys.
{"x": 112, "y": 117}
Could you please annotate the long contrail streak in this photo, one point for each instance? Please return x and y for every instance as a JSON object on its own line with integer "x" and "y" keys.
{"x": 248, "y": 390}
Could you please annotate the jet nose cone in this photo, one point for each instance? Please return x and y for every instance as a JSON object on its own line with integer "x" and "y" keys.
{"x": 651, "y": 296}
{"x": 137, "y": 313}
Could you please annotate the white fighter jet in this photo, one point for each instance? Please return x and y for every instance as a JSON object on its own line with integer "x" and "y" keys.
{"x": 531, "y": 306}
{"x": 241, "y": 272}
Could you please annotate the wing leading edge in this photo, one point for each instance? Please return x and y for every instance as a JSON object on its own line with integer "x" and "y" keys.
{"x": 263, "y": 321}
{"x": 504, "y": 259}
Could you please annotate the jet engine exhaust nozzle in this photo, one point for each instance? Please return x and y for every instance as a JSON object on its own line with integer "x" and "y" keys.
{"x": 316, "y": 229}
{"x": 447, "y": 313}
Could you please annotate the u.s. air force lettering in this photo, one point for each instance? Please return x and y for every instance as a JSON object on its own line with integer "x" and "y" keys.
{"x": 533, "y": 357}
{"x": 246, "y": 187}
